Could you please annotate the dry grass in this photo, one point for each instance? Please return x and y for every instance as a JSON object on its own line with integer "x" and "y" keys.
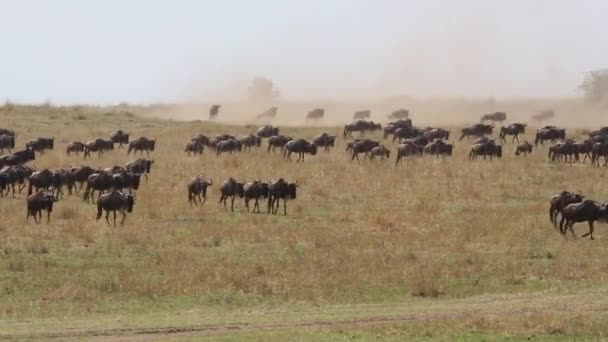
{"x": 357, "y": 233}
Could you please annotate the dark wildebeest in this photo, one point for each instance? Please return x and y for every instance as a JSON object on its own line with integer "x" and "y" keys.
{"x": 4, "y": 131}
{"x": 229, "y": 145}
{"x": 489, "y": 149}
{"x": 408, "y": 133}
{"x": 98, "y": 145}
{"x": 250, "y": 140}
{"x": 599, "y": 150}
{"x": 543, "y": 115}
{"x": 280, "y": 190}
{"x": 194, "y": 147}
{"x": 360, "y": 126}
{"x": 11, "y": 175}
{"x": 102, "y": 181}
{"x": 126, "y": 180}
{"x": 362, "y": 114}
{"x": 45, "y": 180}
{"x": 420, "y": 140}
{"x": 496, "y": 117}
{"x": 391, "y": 127}
{"x": 81, "y": 174}
{"x": 439, "y": 148}
{"x": 362, "y": 146}
{"x": 115, "y": 201}
{"x": 324, "y": 140}
{"x": 585, "y": 148}
{"x": 197, "y": 189}
{"x": 562, "y": 151}
{"x": 214, "y": 111}
{"x": 267, "y": 131}
{"x": 476, "y": 130}
{"x": 437, "y": 133}
{"x": 75, "y": 147}
{"x": 119, "y": 137}
{"x": 37, "y": 202}
{"x": 559, "y": 201}
{"x": 513, "y": 129}
{"x": 278, "y": 141}
{"x": 141, "y": 166}
{"x": 19, "y": 157}
{"x": 40, "y": 144}
{"x": 399, "y": 114}
{"x": 301, "y": 147}
{"x": 254, "y": 191}
{"x": 315, "y": 114}
{"x": 380, "y": 152}
{"x": 585, "y": 211}
{"x": 551, "y": 133}
{"x": 7, "y": 142}
{"x": 524, "y": 148}
{"x": 407, "y": 149}
{"x": 201, "y": 139}
{"x": 142, "y": 144}
{"x": 231, "y": 188}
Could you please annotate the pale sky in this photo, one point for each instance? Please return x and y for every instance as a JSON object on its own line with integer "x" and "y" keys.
{"x": 109, "y": 51}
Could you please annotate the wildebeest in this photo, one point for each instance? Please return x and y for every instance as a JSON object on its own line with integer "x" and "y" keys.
{"x": 102, "y": 181}
{"x": 278, "y": 141}
{"x": 380, "y": 152}
{"x": 360, "y": 126}
{"x": 115, "y": 201}
{"x": 5, "y": 131}
{"x": 551, "y": 133}
{"x": 141, "y": 166}
{"x": 437, "y": 133}
{"x": 45, "y": 180}
{"x": 37, "y": 202}
{"x": 399, "y": 114}
{"x": 496, "y": 116}
{"x": 324, "y": 140}
{"x": 230, "y": 145}
{"x": 362, "y": 114}
{"x": 476, "y": 130}
{"x": 267, "y": 131}
{"x": 98, "y": 145}
{"x": 214, "y": 111}
{"x": 278, "y": 190}
{"x": 75, "y": 147}
{"x": 524, "y": 148}
{"x": 7, "y": 142}
{"x": 255, "y": 191}
{"x": 201, "y": 139}
{"x": 408, "y": 133}
{"x": 194, "y": 147}
{"x": 19, "y": 157}
{"x": 315, "y": 114}
{"x": 585, "y": 211}
{"x": 40, "y": 144}
{"x": 119, "y": 137}
{"x": 562, "y": 151}
{"x": 250, "y": 140}
{"x": 81, "y": 174}
{"x": 559, "y": 201}
{"x": 126, "y": 180}
{"x": 12, "y": 175}
{"x": 269, "y": 113}
{"x": 197, "y": 189}
{"x": 514, "y": 129}
{"x": 362, "y": 146}
{"x": 439, "y": 148}
{"x": 407, "y": 149}
{"x": 142, "y": 144}
{"x": 543, "y": 115}
{"x": 488, "y": 149}
{"x": 391, "y": 127}
{"x": 301, "y": 147}
{"x": 231, "y": 188}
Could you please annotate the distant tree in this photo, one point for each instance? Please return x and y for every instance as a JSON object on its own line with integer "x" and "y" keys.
{"x": 595, "y": 85}
{"x": 263, "y": 89}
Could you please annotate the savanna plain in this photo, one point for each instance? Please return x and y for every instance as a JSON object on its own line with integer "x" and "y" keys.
{"x": 434, "y": 249}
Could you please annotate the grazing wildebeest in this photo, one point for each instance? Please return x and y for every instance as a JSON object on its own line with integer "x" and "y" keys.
{"x": 585, "y": 211}
{"x": 142, "y": 144}
{"x": 391, "y": 127}
{"x": 231, "y": 188}
{"x": 437, "y": 133}
{"x": 315, "y": 114}
{"x": 496, "y": 117}
{"x": 407, "y": 149}
{"x": 214, "y": 111}
{"x": 419, "y": 140}
{"x": 7, "y": 142}
{"x": 513, "y": 129}
{"x": 489, "y": 149}
{"x": 301, "y": 147}
{"x": 98, "y": 145}
{"x": 269, "y": 113}
{"x": 324, "y": 140}
{"x": 362, "y": 146}
{"x": 201, "y": 139}
{"x": 543, "y": 115}
{"x": 254, "y": 191}
{"x": 362, "y": 114}
{"x": 194, "y": 147}
{"x": 197, "y": 189}
{"x": 476, "y": 130}
{"x": 19, "y": 157}
{"x": 75, "y": 147}
{"x": 278, "y": 190}
{"x": 119, "y": 137}
{"x": 439, "y": 148}
{"x": 278, "y": 141}
{"x": 360, "y": 126}
{"x": 399, "y": 114}
{"x": 229, "y": 145}
{"x": 40, "y": 144}
{"x": 37, "y": 202}
{"x": 250, "y": 140}
{"x": 559, "y": 201}
{"x": 551, "y": 133}
{"x": 267, "y": 131}
{"x": 524, "y": 148}
{"x": 115, "y": 201}
{"x": 102, "y": 181}
{"x": 380, "y": 152}
{"x": 141, "y": 166}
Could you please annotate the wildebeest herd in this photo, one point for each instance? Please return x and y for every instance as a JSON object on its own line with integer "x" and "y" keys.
{"x": 116, "y": 186}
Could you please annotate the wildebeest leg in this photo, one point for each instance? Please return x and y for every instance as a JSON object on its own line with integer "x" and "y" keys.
{"x": 590, "y": 230}
{"x": 232, "y": 204}
{"x": 570, "y": 225}
{"x": 124, "y": 216}
{"x": 48, "y": 216}
{"x": 40, "y": 214}
{"x": 256, "y": 205}
{"x": 285, "y": 206}
{"x": 270, "y": 204}
{"x": 562, "y": 229}
{"x": 147, "y": 152}
{"x": 27, "y": 216}
{"x": 247, "y": 204}
{"x": 114, "y": 213}
{"x": 108, "y": 216}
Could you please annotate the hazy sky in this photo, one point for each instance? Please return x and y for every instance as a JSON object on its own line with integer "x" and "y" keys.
{"x": 144, "y": 51}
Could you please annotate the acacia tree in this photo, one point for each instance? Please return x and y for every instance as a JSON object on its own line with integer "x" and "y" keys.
{"x": 263, "y": 89}
{"x": 595, "y": 85}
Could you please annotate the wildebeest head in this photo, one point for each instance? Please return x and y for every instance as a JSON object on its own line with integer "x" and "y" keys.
{"x": 130, "y": 203}
{"x": 151, "y": 144}
{"x": 291, "y": 190}
{"x": 312, "y": 148}
{"x": 240, "y": 189}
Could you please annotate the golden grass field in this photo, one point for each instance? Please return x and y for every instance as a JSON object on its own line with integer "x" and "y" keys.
{"x": 465, "y": 248}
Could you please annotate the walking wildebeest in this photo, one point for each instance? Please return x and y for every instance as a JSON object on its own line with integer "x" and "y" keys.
{"x": 194, "y": 147}
{"x": 362, "y": 114}
{"x": 231, "y": 188}
{"x": 559, "y": 201}
{"x": 81, "y": 174}
{"x": 278, "y": 141}
{"x": 254, "y": 191}
{"x": 391, "y": 127}
{"x": 324, "y": 140}
{"x": 119, "y": 137}
{"x": 437, "y": 133}
{"x": 360, "y": 126}
{"x": 301, "y": 147}
{"x": 489, "y": 149}
{"x": 45, "y": 180}
{"x": 201, "y": 139}
{"x": 476, "y": 130}
{"x": 141, "y": 166}
{"x": 37, "y": 202}
{"x": 4, "y": 131}
{"x": 524, "y": 148}
{"x": 250, "y": 140}
{"x": 7, "y": 142}
{"x": 196, "y": 188}
{"x": 585, "y": 211}
{"x": 399, "y": 114}
{"x": 40, "y": 144}
{"x": 439, "y": 148}
{"x": 267, "y": 131}
{"x": 11, "y": 175}
{"x": 214, "y": 111}
{"x": 98, "y": 145}
{"x": 407, "y": 149}
{"x": 496, "y": 117}
{"x": 362, "y": 146}
{"x": 407, "y": 133}
{"x": 315, "y": 114}
{"x": 278, "y": 190}
{"x": 75, "y": 147}
{"x": 551, "y": 133}
{"x": 19, "y": 157}
{"x": 229, "y": 145}
{"x": 115, "y": 201}
{"x": 102, "y": 181}
{"x": 562, "y": 151}
{"x": 142, "y": 144}
{"x": 514, "y": 129}
{"x": 379, "y": 151}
